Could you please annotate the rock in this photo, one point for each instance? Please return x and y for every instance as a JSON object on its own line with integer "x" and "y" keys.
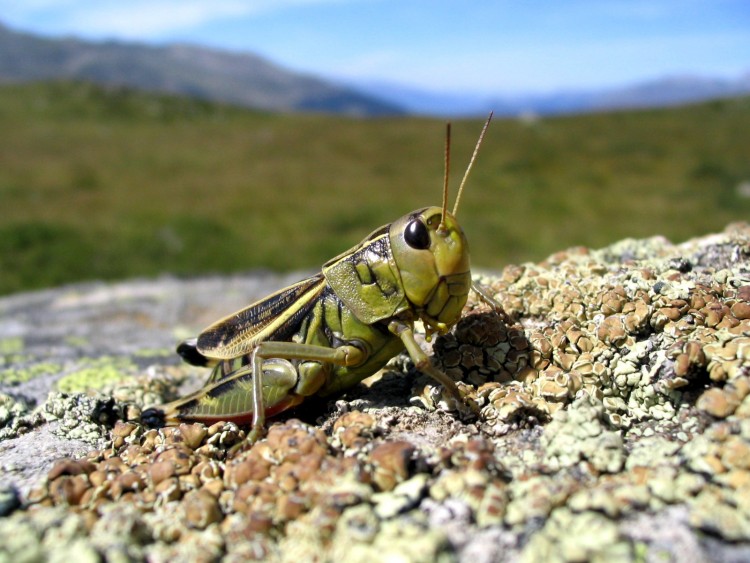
{"x": 613, "y": 388}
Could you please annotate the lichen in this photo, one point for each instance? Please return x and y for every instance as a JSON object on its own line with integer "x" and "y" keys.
{"x": 585, "y": 536}
{"x": 16, "y": 417}
{"x": 96, "y": 373}
{"x": 82, "y": 417}
{"x": 578, "y": 435}
{"x": 9, "y": 346}
{"x": 15, "y": 375}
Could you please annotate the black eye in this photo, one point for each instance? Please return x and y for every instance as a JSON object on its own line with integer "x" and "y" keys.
{"x": 416, "y": 235}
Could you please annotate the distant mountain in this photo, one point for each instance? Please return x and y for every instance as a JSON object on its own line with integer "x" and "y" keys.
{"x": 210, "y": 74}
{"x": 670, "y": 91}
{"x": 248, "y": 80}
{"x": 662, "y": 92}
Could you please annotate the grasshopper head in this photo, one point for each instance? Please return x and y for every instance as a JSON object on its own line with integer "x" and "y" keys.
{"x": 433, "y": 259}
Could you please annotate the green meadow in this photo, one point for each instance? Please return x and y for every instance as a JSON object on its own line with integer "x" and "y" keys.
{"x": 109, "y": 184}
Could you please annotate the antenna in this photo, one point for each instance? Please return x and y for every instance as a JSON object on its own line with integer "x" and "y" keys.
{"x": 441, "y": 226}
{"x": 471, "y": 162}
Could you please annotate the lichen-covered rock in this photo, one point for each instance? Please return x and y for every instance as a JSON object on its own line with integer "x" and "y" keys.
{"x": 613, "y": 392}
{"x": 584, "y": 536}
{"x": 578, "y": 435}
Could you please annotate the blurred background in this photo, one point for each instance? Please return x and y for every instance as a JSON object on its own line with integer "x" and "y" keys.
{"x": 192, "y": 136}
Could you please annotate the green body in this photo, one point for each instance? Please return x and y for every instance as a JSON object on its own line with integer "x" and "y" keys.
{"x": 332, "y": 324}
{"x": 329, "y": 324}
{"x": 328, "y": 332}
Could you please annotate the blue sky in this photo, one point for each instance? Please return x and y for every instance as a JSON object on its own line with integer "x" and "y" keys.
{"x": 479, "y": 46}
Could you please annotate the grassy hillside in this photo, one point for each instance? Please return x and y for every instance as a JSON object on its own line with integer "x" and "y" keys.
{"x": 110, "y": 184}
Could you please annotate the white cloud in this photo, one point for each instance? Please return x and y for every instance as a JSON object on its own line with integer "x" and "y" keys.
{"x": 136, "y": 19}
{"x": 147, "y": 19}
{"x": 543, "y": 66}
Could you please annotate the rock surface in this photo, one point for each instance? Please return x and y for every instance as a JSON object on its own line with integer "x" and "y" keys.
{"x": 614, "y": 424}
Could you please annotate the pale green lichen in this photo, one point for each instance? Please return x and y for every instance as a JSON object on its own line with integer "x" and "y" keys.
{"x": 712, "y": 512}
{"x": 154, "y": 352}
{"x": 158, "y": 385}
{"x": 586, "y": 536}
{"x": 652, "y": 451}
{"x": 579, "y": 434}
{"x": 36, "y": 536}
{"x": 535, "y": 497}
{"x": 76, "y": 341}
{"x": 10, "y": 409}
{"x": 120, "y": 533}
{"x": 17, "y": 375}
{"x": 56, "y": 534}
{"x": 96, "y": 373}
{"x": 668, "y": 485}
{"x": 10, "y": 346}
{"x": 16, "y": 417}
{"x": 361, "y": 537}
{"x": 82, "y": 417}
{"x": 403, "y": 497}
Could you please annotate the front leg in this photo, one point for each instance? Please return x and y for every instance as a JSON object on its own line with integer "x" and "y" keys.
{"x": 486, "y": 296}
{"x": 405, "y": 332}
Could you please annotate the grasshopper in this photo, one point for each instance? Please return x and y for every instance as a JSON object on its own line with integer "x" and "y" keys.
{"x": 330, "y": 331}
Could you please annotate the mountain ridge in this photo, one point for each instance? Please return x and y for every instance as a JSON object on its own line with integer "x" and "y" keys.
{"x": 249, "y": 80}
{"x": 238, "y": 78}
{"x": 654, "y": 93}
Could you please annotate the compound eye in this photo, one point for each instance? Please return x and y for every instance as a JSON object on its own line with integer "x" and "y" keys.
{"x": 416, "y": 235}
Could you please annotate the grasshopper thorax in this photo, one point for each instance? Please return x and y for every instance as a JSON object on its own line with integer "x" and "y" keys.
{"x": 432, "y": 257}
